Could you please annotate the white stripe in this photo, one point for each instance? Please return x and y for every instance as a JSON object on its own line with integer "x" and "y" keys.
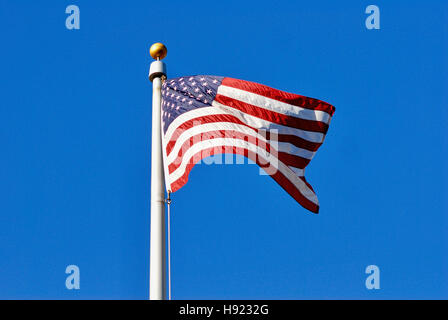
{"x": 285, "y": 170}
{"x": 262, "y": 124}
{"x": 292, "y": 149}
{"x": 195, "y": 113}
{"x": 208, "y": 127}
{"x": 220, "y": 109}
{"x": 297, "y": 171}
{"x": 273, "y": 105}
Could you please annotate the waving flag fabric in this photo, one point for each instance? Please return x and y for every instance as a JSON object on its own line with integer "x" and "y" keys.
{"x": 208, "y": 115}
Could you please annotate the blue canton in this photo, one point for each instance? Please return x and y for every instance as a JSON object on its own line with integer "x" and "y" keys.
{"x": 180, "y": 95}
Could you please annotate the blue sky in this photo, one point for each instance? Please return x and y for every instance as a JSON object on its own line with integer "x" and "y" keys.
{"x": 75, "y": 148}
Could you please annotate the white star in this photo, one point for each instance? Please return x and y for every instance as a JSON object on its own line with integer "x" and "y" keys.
{"x": 193, "y": 83}
{"x": 215, "y": 81}
{"x": 190, "y": 102}
{"x": 205, "y": 101}
{"x": 209, "y": 91}
{"x": 196, "y": 90}
{"x": 191, "y": 79}
{"x": 184, "y": 99}
{"x": 204, "y": 84}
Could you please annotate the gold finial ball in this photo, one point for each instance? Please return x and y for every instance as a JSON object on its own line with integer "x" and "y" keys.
{"x": 158, "y": 50}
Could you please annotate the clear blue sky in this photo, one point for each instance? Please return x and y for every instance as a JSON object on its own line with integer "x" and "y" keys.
{"x": 75, "y": 147}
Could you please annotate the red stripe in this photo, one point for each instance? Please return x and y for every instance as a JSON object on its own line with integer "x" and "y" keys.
{"x": 293, "y": 160}
{"x": 286, "y": 158}
{"x": 290, "y": 98}
{"x": 277, "y": 176}
{"x": 296, "y": 141}
{"x": 275, "y": 117}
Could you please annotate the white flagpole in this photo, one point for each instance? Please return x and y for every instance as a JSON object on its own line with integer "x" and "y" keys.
{"x": 157, "y": 266}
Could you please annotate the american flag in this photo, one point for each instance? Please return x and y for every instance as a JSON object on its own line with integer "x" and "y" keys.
{"x": 207, "y": 115}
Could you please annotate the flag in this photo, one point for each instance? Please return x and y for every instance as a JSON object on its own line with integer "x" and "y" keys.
{"x": 207, "y": 115}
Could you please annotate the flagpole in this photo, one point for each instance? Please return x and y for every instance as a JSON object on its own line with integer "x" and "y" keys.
{"x": 157, "y": 264}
